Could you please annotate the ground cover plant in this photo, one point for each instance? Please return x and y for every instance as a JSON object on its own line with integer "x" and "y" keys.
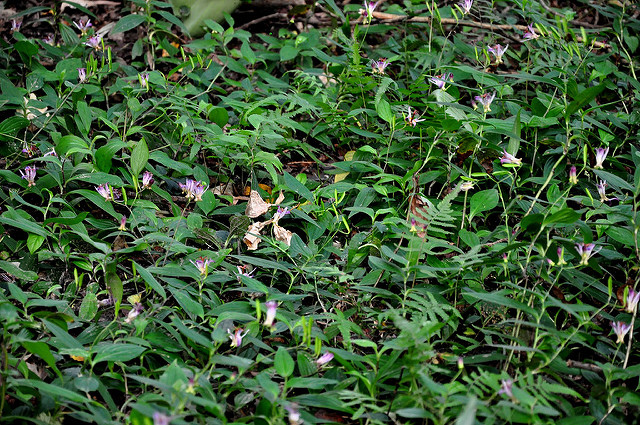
{"x": 380, "y": 213}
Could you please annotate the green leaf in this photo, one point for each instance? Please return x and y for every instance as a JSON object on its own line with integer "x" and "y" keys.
{"x": 583, "y": 98}
{"x": 17, "y": 272}
{"x": 284, "y": 362}
{"x": 150, "y": 280}
{"x": 127, "y": 23}
{"x": 288, "y": 52}
{"x": 139, "y": 157}
{"x": 115, "y": 352}
{"x": 34, "y": 242}
{"x": 293, "y": 184}
{"x": 192, "y": 308}
{"x": 10, "y": 126}
{"x": 468, "y": 415}
{"x": 484, "y": 200}
{"x": 114, "y": 283}
{"x": 84, "y": 113}
{"x": 564, "y": 216}
{"x": 218, "y": 115}
{"x": 43, "y": 351}
{"x": 70, "y": 144}
{"x": 384, "y": 111}
{"x": 89, "y": 306}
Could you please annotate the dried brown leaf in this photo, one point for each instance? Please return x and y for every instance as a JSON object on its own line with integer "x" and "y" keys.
{"x": 252, "y": 238}
{"x": 282, "y": 234}
{"x": 256, "y": 205}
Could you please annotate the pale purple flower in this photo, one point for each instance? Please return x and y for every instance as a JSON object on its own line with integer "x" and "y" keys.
{"x": 506, "y": 386}
{"x": 294, "y": 414}
{"x": 144, "y": 79}
{"x": 123, "y": 223}
{"x": 379, "y": 66}
{"x": 441, "y": 80}
{"x": 202, "y": 264}
{"x": 601, "y": 155}
{"x": 29, "y": 175}
{"x": 507, "y": 158}
{"x": 30, "y": 150}
{"x": 95, "y": 42}
{"x": 412, "y": 117}
{"x": 49, "y": 40}
{"x": 242, "y": 271}
{"x": 236, "y": 337}
{"x": 530, "y": 33}
{"x": 147, "y": 179}
{"x": 573, "y": 175}
{"x": 466, "y": 6}
{"x": 193, "y": 189}
{"x": 586, "y": 251}
{"x": 498, "y": 51}
{"x": 324, "y": 359}
{"x": 82, "y": 74}
{"x": 83, "y": 25}
{"x": 369, "y": 8}
{"x": 15, "y": 25}
{"x": 460, "y": 362}
{"x": 107, "y": 192}
{"x": 602, "y": 190}
{"x": 134, "y": 312}
{"x": 474, "y": 105}
{"x": 620, "y": 329}
{"x": 486, "y": 99}
{"x": 560, "y": 252}
{"x": 161, "y": 419}
{"x": 272, "y": 307}
{"x": 52, "y": 152}
{"x": 281, "y": 212}
{"x": 466, "y": 185}
{"x": 632, "y": 301}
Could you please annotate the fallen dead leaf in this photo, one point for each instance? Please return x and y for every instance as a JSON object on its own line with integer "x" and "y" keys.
{"x": 282, "y": 234}
{"x": 252, "y": 237}
{"x": 256, "y": 205}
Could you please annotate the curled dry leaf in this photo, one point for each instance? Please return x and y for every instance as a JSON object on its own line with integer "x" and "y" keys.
{"x": 256, "y": 205}
{"x": 252, "y": 238}
{"x": 282, "y": 234}
{"x": 280, "y": 199}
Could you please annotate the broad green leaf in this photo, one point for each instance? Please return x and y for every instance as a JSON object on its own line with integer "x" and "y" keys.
{"x": 89, "y": 306}
{"x": 564, "y": 216}
{"x": 16, "y": 271}
{"x": 150, "y": 280}
{"x": 191, "y": 307}
{"x": 583, "y": 98}
{"x": 42, "y": 350}
{"x": 485, "y": 200}
{"x": 71, "y": 144}
{"x": 139, "y": 157}
{"x": 293, "y": 184}
{"x": 127, "y": 23}
{"x": 384, "y": 111}
{"x": 284, "y": 362}
{"x": 116, "y": 352}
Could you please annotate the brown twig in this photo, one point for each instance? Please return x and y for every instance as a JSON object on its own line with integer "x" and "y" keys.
{"x": 585, "y": 366}
{"x": 263, "y": 18}
{"x": 391, "y": 18}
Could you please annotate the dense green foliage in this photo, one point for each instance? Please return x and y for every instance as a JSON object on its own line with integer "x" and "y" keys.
{"x": 430, "y": 236}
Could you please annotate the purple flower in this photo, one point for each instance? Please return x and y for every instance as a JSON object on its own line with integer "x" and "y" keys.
{"x": 632, "y": 301}
{"x": 586, "y": 251}
{"x": 202, "y": 264}
{"x": 414, "y": 223}
{"x": 236, "y": 337}
{"x": 83, "y": 25}
{"x": 602, "y": 190}
{"x": 294, "y": 414}
{"x": 29, "y": 175}
{"x": 95, "y": 42}
{"x": 123, "y": 223}
{"x": 560, "y": 252}
{"x": 324, "y": 359}
{"x": 466, "y": 185}
{"x": 530, "y": 33}
{"x": 620, "y": 329}
{"x": 466, "y": 6}
{"x": 498, "y": 51}
{"x": 49, "y": 40}
{"x": 601, "y": 155}
{"x": 30, "y": 150}
{"x": 52, "y": 152}
{"x": 507, "y": 158}
{"x": 506, "y": 386}
{"x": 379, "y": 66}
{"x": 144, "y": 79}
{"x": 369, "y": 8}
{"x": 161, "y": 419}
{"x": 15, "y": 25}
{"x": 281, "y": 212}
{"x": 441, "y": 80}
{"x": 193, "y": 189}
{"x": 412, "y": 117}
{"x": 486, "y": 99}
{"x": 272, "y": 307}
{"x": 82, "y": 74}
{"x": 134, "y": 312}
{"x": 107, "y": 192}
{"x": 573, "y": 175}
{"x": 147, "y": 179}
{"x": 242, "y": 271}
